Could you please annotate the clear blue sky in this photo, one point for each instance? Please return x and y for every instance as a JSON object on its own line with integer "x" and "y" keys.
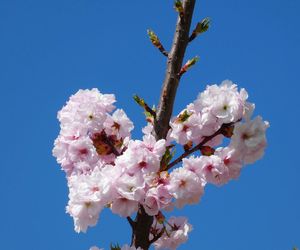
{"x": 50, "y": 49}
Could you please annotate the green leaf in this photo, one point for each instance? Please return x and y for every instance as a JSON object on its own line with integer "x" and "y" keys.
{"x": 115, "y": 247}
{"x": 178, "y": 6}
{"x": 148, "y": 114}
{"x": 139, "y": 100}
{"x": 183, "y": 116}
{"x": 167, "y": 157}
{"x": 202, "y": 26}
{"x": 153, "y": 37}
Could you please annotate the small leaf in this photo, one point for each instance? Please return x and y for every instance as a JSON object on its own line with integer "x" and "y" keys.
{"x": 139, "y": 100}
{"x": 188, "y": 65}
{"x": 183, "y": 117}
{"x": 178, "y": 6}
{"x": 201, "y": 27}
{"x": 154, "y": 38}
{"x": 167, "y": 157}
{"x": 115, "y": 247}
{"x": 207, "y": 150}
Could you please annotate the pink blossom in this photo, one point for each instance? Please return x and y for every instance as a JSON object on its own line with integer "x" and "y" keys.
{"x": 156, "y": 147}
{"x": 85, "y": 213}
{"x": 131, "y": 187}
{"x": 249, "y": 139}
{"x": 185, "y": 186}
{"x": 186, "y": 129}
{"x": 230, "y": 159}
{"x": 118, "y": 124}
{"x": 177, "y": 233}
{"x": 142, "y": 156}
{"x": 224, "y": 102}
{"x": 213, "y": 170}
{"x": 105, "y": 168}
{"x": 87, "y": 107}
{"x": 157, "y": 198}
{"x": 88, "y": 195}
{"x": 75, "y": 156}
{"x": 124, "y": 207}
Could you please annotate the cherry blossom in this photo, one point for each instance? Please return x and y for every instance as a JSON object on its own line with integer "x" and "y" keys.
{"x": 105, "y": 168}
{"x": 176, "y": 233}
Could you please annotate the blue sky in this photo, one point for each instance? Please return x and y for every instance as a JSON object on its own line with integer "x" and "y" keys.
{"x": 50, "y": 49}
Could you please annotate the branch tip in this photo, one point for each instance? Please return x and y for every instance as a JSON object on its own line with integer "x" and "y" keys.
{"x": 131, "y": 222}
{"x": 156, "y": 42}
{"x": 188, "y": 65}
{"x": 201, "y": 27}
{"x": 178, "y": 6}
{"x": 149, "y": 112}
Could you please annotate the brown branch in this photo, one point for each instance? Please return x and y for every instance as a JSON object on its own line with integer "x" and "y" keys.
{"x": 144, "y": 105}
{"x": 157, "y": 236}
{"x": 174, "y": 64}
{"x": 131, "y": 222}
{"x": 200, "y": 145}
{"x": 141, "y": 231}
{"x": 143, "y": 221}
{"x": 156, "y": 42}
{"x": 163, "y": 51}
{"x": 110, "y": 144}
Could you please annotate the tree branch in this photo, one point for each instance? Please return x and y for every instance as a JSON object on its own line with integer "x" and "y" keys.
{"x": 141, "y": 231}
{"x": 143, "y": 221}
{"x": 131, "y": 222}
{"x": 156, "y": 42}
{"x": 200, "y": 145}
{"x": 144, "y": 105}
{"x": 174, "y": 64}
{"x": 156, "y": 237}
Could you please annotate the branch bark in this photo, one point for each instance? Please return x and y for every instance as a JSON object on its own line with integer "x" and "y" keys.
{"x": 174, "y": 64}
{"x": 143, "y": 221}
{"x": 141, "y": 230}
{"x": 201, "y": 144}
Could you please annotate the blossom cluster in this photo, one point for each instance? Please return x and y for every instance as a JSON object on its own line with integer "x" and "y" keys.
{"x": 105, "y": 168}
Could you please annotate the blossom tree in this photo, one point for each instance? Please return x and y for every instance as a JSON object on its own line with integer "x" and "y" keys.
{"x": 142, "y": 179}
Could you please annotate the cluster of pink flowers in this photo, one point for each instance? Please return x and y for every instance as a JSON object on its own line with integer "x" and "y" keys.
{"x": 105, "y": 168}
{"x": 87, "y": 130}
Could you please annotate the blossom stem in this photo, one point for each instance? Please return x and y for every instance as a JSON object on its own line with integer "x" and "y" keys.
{"x": 157, "y": 236}
{"x": 200, "y": 145}
{"x": 131, "y": 222}
{"x": 110, "y": 144}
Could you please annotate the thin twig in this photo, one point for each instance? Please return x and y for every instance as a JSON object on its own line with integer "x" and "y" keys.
{"x": 144, "y": 105}
{"x": 157, "y": 43}
{"x": 109, "y": 143}
{"x": 131, "y": 222}
{"x": 150, "y": 110}
{"x": 200, "y": 145}
{"x": 156, "y": 237}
